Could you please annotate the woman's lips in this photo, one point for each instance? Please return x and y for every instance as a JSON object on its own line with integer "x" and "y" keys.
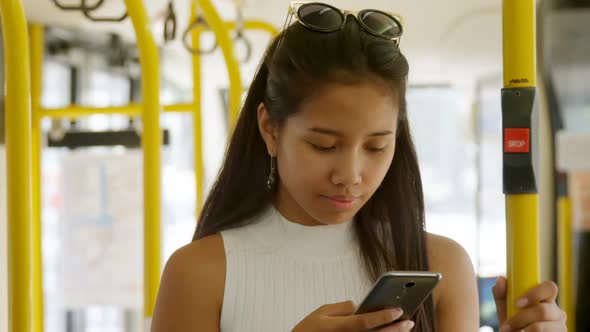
{"x": 341, "y": 202}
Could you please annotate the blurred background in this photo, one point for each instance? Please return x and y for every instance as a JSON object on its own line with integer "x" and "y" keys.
{"x": 91, "y": 194}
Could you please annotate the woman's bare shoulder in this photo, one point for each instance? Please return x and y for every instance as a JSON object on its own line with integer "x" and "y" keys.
{"x": 445, "y": 253}
{"x": 205, "y": 252}
{"x": 191, "y": 289}
{"x": 203, "y": 259}
{"x": 450, "y": 258}
{"x": 455, "y": 297}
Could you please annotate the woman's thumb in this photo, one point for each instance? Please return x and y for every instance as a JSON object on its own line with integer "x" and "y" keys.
{"x": 338, "y": 309}
{"x": 499, "y": 292}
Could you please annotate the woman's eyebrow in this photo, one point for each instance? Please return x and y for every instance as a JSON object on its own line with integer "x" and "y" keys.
{"x": 332, "y": 132}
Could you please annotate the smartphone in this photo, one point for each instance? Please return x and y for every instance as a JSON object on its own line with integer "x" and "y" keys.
{"x": 400, "y": 289}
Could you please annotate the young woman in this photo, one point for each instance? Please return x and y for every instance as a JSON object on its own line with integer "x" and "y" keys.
{"x": 319, "y": 194}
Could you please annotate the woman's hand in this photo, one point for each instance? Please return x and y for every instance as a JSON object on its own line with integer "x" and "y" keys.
{"x": 539, "y": 312}
{"x": 339, "y": 317}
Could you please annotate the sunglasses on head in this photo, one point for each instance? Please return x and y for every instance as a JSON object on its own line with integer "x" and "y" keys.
{"x": 322, "y": 17}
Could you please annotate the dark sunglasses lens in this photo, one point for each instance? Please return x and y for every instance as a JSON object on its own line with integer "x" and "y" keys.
{"x": 381, "y": 24}
{"x": 321, "y": 17}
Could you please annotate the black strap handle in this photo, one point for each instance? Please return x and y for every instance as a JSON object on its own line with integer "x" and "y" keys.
{"x": 199, "y": 21}
{"x": 240, "y": 34}
{"x": 240, "y": 37}
{"x": 82, "y": 5}
{"x": 104, "y": 19}
{"x": 170, "y": 24}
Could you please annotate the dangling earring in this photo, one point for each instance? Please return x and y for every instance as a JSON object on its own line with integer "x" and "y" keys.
{"x": 270, "y": 181}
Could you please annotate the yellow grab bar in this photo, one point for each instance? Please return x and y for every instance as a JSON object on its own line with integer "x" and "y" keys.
{"x": 129, "y": 110}
{"x": 37, "y": 46}
{"x": 518, "y": 22}
{"x": 522, "y": 246}
{"x": 151, "y": 142}
{"x": 565, "y": 257}
{"x": 18, "y": 163}
{"x": 197, "y": 119}
{"x": 74, "y": 111}
{"x": 179, "y": 108}
{"x": 255, "y": 25}
{"x": 221, "y": 32}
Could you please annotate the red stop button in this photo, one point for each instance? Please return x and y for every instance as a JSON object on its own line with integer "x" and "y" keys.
{"x": 517, "y": 140}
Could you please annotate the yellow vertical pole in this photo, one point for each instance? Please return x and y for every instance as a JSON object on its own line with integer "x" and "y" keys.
{"x": 225, "y": 43}
{"x": 519, "y": 40}
{"x": 37, "y": 45}
{"x": 18, "y": 163}
{"x": 197, "y": 119}
{"x": 518, "y": 18}
{"x": 565, "y": 257}
{"x": 523, "y": 246}
{"x": 151, "y": 142}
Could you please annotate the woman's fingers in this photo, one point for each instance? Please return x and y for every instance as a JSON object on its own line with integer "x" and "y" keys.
{"x": 536, "y": 314}
{"x": 544, "y": 292}
{"x": 340, "y": 317}
{"x": 337, "y": 309}
{"x": 363, "y": 322}
{"x": 403, "y": 326}
{"x": 499, "y": 292}
{"x": 546, "y": 327}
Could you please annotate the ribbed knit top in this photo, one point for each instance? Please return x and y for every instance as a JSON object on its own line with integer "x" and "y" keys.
{"x": 278, "y": 272}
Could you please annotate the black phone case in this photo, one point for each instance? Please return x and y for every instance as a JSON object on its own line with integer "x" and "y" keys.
{"x": 405, "y": 290}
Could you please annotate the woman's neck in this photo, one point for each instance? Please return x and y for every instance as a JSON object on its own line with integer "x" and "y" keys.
{"x": 291, "y": 210}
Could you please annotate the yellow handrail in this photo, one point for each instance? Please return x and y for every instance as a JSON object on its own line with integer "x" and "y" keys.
{"x": 221, "y": 32}
{"x": 234, "y": 108}
{"x": 18, "y": 163}
{"x": 37, "y": 45}
{"x": 179, "y": 108}
{"x": 151, "y": 142}
{"x": 565, "y": 257}
{"x": 518, "y": 21}
{"x": 522, "y": 241}
{"x": 197, "y": 119}
{"x": 518, "y": 25}
{"x": 75, "y": 111}
{"x": 255, "y": 25}
{"x": 150, "y": 111}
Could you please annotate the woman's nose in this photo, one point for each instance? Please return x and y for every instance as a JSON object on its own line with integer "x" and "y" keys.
{"x": 347, "y": 171}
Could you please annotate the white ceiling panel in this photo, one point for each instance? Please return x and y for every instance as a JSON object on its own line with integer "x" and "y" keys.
{"x": 444, "y": 40}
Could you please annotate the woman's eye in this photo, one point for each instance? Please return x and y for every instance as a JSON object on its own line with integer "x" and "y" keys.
{"x": 377, "y": 149}
{"x": 322, "y": 148}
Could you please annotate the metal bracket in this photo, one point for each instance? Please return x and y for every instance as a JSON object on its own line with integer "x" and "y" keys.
{"x": 83, "y": 139}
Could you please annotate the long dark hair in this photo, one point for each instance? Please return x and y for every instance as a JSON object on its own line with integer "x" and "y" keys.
{"x": 390, "y": 226}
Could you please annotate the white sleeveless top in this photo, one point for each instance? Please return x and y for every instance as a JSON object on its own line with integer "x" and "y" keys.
{"x": 278, "y": 272}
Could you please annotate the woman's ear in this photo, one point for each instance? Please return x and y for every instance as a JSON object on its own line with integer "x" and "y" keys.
{"x": 268, "y": 130}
